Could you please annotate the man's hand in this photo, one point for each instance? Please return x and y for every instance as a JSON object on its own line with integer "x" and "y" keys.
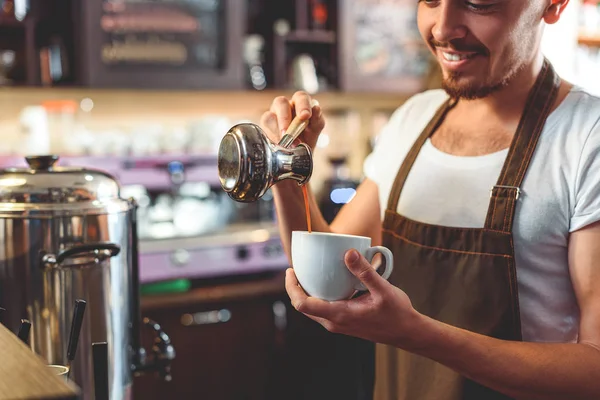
{"x": 384, "y": 315}
{"x": 276, "y": 121}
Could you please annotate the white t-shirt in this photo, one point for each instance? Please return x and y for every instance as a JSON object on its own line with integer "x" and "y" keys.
{"x": 560, "y": 194}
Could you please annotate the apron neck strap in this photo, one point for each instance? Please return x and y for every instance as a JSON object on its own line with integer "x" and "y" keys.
{"x": 410, "y": 158}
{"x": 506, "y": 192}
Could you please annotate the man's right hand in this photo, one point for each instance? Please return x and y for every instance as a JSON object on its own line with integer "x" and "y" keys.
{"x": 276, "y": 121}
{"x": 359, "y": 217}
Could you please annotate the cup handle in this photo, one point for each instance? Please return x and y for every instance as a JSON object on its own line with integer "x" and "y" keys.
{"x": 389, "y": 262}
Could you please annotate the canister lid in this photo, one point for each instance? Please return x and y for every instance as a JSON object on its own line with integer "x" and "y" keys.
{"x": 44, "y": 186}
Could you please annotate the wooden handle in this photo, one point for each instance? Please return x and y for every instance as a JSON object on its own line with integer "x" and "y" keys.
{"x": 296, "y": 127}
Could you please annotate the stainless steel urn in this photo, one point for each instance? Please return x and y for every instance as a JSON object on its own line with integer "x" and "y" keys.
{"x": 66, "y": 234}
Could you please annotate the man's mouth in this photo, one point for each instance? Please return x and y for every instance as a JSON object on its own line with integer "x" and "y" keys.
{"x": 457, "y": 56}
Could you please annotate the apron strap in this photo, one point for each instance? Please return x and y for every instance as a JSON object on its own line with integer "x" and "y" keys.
{"x": 410, "y": 158}
{"x": 506, "y": 192}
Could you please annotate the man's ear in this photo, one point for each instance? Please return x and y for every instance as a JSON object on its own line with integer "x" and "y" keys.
{"x": 554, "y": 11}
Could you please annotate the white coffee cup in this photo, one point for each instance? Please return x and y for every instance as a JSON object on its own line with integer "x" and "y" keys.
{"x": 318, "y": 262}
{"x": 60, "y": 371}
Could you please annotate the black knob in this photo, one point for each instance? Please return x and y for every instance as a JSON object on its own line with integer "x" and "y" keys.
{"x": 41, "y": 162}
{"x": 242, "y": 253}
{"x": 24, "y": 331}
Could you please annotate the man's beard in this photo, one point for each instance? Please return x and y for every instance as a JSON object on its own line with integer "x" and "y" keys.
{"x": 456, "y": 90}
{"x": 451, "y": 83}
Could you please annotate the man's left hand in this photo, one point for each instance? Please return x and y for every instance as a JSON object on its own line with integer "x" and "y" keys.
{"x": 383, "y": 315}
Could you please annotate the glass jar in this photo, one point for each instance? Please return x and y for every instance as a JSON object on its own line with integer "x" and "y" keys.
{"x": 61, "y": 123}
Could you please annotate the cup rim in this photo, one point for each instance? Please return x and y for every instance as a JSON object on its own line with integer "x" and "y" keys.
{"x": 64, "y": 369}
{"x": 330, "y": 234}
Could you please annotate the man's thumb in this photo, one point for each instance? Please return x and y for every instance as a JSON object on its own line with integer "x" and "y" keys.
{"x": 362, "y": 269}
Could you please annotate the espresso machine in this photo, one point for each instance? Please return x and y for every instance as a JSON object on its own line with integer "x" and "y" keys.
{"x": 66, "y": 234}
{"x": 189, "y": 229}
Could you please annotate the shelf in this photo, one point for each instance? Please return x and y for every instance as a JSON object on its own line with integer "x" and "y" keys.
{"x": 589, "y": 39}
{"x": 111, "y": 103}
{"x": 306, "y": 36}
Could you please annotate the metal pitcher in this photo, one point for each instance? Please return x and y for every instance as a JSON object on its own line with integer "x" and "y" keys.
{"x": 65, "y": 234}
{"x": 249, "y": 163}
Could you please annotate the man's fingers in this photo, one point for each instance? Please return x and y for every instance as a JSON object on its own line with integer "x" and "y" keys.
{"x": 297, "y": 295}
{"x": 282, "y": 109}
{"x": 364, "y": 271}
{"x": 302, "y": 104}
{"x": 310, "y": 305}
{"x": 268, "y": 122}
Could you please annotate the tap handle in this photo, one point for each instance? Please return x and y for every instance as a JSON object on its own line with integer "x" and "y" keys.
{"x": 162, "y": 353}
{"x": 76, "y": 323}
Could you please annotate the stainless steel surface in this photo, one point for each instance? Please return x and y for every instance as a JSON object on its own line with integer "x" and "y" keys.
{"x": 43, "y": 190}
{"x": 66, "y": 235}
{"x": 46, "y": 295}
{"x": 249, "y": 164}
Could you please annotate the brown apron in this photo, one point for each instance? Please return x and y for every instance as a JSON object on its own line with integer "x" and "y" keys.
{"x": 465, "y": 277}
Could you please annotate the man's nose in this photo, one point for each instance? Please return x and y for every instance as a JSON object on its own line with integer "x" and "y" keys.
{"x": 449, "y": 24}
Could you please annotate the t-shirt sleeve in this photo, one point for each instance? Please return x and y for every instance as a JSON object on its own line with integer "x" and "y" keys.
{"x": 587, "y": 186}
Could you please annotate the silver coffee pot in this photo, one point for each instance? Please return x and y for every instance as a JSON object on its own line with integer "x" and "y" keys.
{"x": 66, "y": 234}
{"x": 249, "y": 163}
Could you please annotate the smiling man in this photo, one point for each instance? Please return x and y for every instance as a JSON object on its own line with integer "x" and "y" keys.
{"x": 488, "y": 193}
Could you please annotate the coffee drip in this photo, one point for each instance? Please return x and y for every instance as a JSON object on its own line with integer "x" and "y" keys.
{"x": 307, "y": 208}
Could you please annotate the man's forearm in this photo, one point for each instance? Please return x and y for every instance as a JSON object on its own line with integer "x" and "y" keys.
{"x": 291, "y": 216}
{"x": 521, "y": 370}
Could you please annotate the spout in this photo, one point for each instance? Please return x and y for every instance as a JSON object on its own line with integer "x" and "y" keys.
{"x": 296, "y": 164}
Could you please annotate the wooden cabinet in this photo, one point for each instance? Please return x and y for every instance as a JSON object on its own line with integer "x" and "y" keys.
{"x": 244, "y": 341}
{"x": 229, "y": 340}
{"x": 224, "y": 351}
{"x": 163, "y": 45}
{"x": 350, "y": 45}
{"x": 36, "y": 43}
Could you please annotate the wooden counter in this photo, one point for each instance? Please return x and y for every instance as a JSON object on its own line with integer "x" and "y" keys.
{"x": 23, "y": 375}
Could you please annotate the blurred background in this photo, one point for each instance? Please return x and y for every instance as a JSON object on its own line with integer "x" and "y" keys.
{"x": 145, "y": 89}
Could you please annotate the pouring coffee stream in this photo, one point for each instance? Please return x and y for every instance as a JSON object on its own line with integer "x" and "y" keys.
{"x": 307, "y": 208}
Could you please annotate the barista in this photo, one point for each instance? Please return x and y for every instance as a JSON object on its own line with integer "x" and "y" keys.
{"x": 494, "y": 292}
